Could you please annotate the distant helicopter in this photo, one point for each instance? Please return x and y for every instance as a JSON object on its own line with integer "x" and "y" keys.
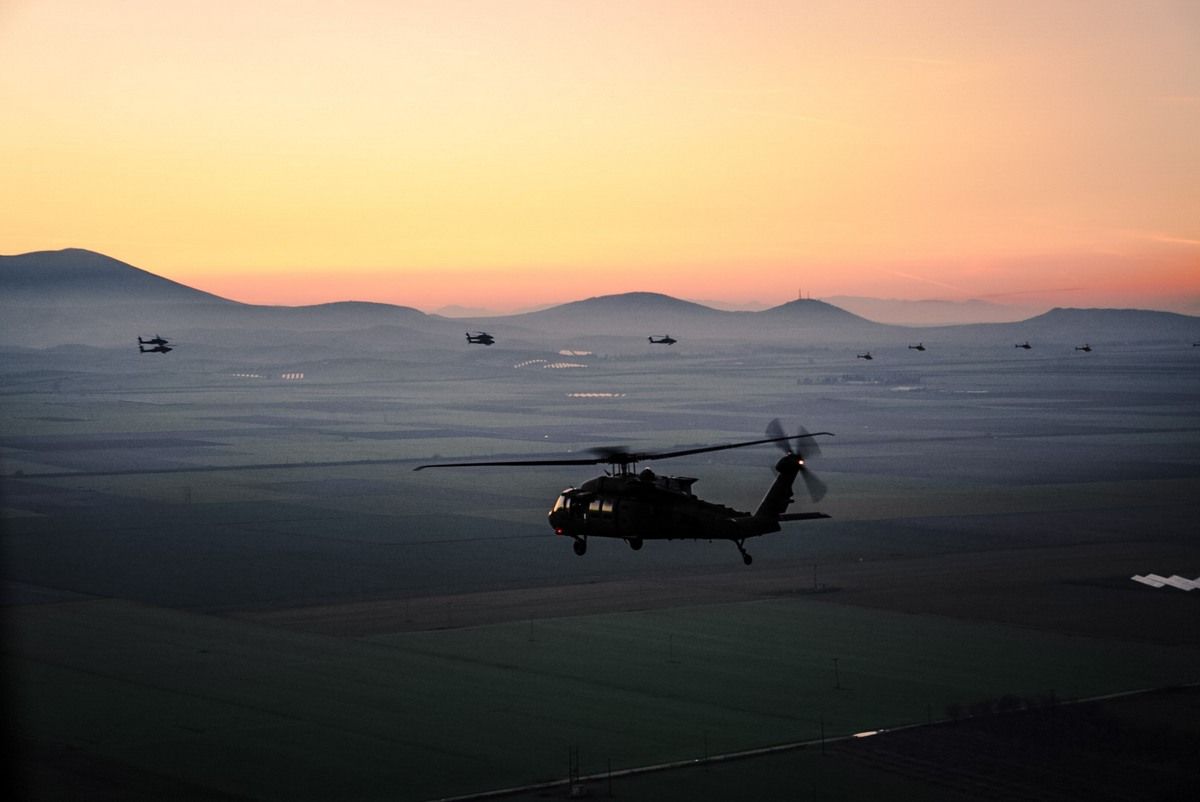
{"x": 867, "y": 355}
{"x": 155, "y": 340}
{"x": 1085, "y": 347}
{"x": 480, "y": 338}
{"x": 636, "y": 507}
{"x": 917, "y": 347}
{"x": 1024, "y": 345}
{"x": 158, "y": 349}
{"x": 666, "y": 339}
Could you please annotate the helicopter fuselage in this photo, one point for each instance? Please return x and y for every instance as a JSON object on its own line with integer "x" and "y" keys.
{"x": 639, "y": 507}
{"x": 636, "y": 507}
{"x": 644, "y": 506}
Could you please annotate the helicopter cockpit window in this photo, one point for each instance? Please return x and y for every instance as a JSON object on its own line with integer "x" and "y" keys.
{"x": 560, "y": 504}
{"x": 577, "y": 506}
{"x": 599, "y": 507}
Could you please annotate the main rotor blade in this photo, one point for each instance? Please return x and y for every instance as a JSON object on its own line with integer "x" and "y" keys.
{"x": 706, "y": 449}
{"x": 797, "y": 444}
{"x": 511, "y": 463}
{"x": 614, "y": 457}
{"x": 807, "y": 448}
{"x": 606, "y": 453}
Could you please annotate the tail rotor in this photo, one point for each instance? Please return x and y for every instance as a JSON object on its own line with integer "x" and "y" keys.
{"x": 804, "y": 446}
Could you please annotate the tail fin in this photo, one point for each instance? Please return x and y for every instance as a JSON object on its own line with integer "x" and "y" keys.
{"x": 779, "y": 496}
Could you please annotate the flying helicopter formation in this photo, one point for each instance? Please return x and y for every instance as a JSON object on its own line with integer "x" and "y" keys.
{"x": 637, "y": 506}
{"x": 159, "y": 345}
{"x": 483, "y": 338}
{"x": 1086, "y": 347}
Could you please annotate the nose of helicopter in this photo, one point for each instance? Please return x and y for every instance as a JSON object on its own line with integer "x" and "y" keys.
{"x": 558, "y": 515}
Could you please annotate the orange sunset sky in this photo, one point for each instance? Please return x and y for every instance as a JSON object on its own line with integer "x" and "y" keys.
{"x": 507, "y": 154}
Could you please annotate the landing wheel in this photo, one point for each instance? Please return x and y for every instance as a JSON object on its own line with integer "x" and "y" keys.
{"x": 746, "y": 558}
{"x": 635, "y": 543}
{"x": 580, "y": 547}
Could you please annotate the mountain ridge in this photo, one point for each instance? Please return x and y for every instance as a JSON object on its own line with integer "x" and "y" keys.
{"x": 37, "y": 288}
{"x": 933, "y": 311}
{"x": 78, "y": 275}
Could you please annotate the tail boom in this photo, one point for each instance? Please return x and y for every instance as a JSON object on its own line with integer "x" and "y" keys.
{"x": 779, "y": 496}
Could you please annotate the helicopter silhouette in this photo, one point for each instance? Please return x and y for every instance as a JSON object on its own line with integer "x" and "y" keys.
{"x": 158, "y": 349}
{"x": 636, "y": 507}
{"x": 1024, "y": 345}
{"x": 1085, "y": 347}
{"x": 157, "y": 339}
{"x": 480, "y": 338}
{"x": 917, "y": 347}
{"x": 666, "y": 339}
{"x": 867, "y": 355}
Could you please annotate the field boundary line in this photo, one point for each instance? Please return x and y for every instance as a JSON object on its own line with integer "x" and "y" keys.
{"x": 761, "y": 751}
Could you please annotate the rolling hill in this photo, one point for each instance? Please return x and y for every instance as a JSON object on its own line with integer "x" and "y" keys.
{"x": 74, "y": 296}
{"x": 77, "y": 276}
{"x": 932, "y": 312}
{"x": 1110, "y": 325}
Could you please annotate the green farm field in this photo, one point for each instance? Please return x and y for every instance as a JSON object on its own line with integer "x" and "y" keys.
{"x": 218, "y": 587}
{"x": 253, "y": 711}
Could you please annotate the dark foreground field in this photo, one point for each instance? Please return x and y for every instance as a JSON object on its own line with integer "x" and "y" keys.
{"x": 1134, "y": 747}
{"x": 223, "y": 584}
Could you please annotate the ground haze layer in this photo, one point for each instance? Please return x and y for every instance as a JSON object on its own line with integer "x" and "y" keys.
{"x": 223, "y": 580}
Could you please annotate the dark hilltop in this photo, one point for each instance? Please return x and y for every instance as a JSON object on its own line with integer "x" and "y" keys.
{"x": 78, "y": 297}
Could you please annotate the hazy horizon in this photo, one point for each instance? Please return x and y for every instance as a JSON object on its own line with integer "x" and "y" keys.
{"x": 920, "y": 311}
{"x": 283, "y": 291}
